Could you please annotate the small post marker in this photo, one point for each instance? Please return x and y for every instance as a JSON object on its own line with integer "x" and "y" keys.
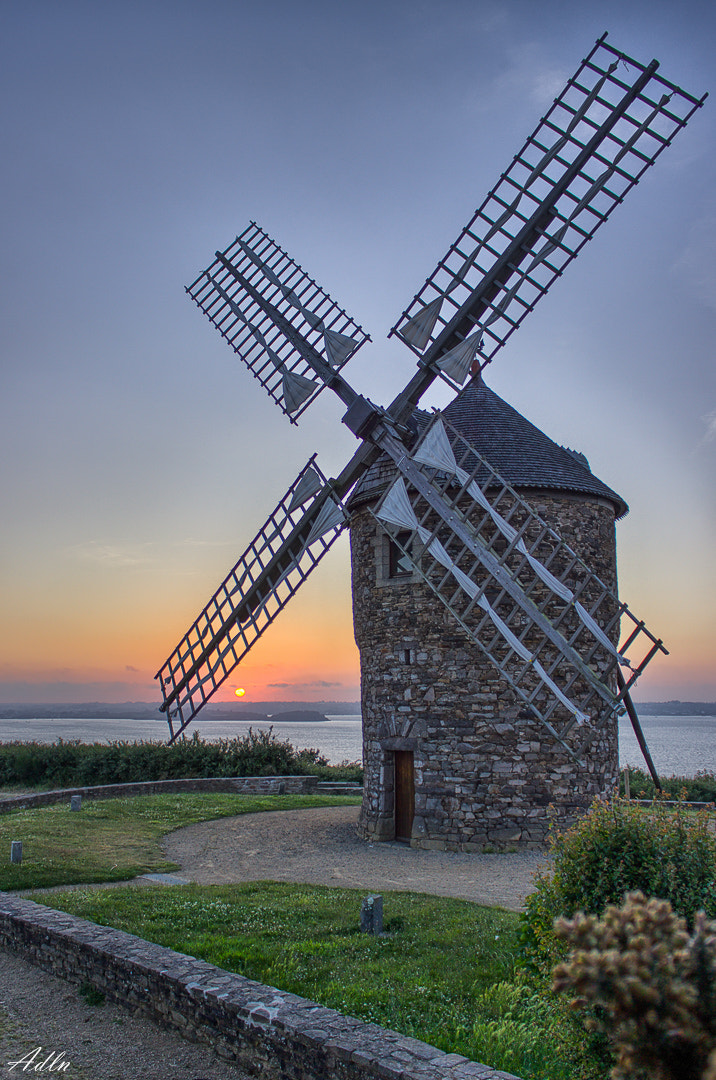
{"x": 371, "y": 915}
{"x": 75, "y": 802}
{"x": 627, "y": 789}
{"x": 16, "y": 851}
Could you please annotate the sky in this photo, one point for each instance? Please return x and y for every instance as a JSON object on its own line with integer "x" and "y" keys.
{"x": 138, "y": 457}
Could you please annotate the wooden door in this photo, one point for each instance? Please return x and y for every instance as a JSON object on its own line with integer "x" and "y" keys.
{"x": 404, "y": 795}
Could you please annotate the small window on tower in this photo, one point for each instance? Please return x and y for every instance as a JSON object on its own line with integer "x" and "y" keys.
{"x": 400, "y": 564}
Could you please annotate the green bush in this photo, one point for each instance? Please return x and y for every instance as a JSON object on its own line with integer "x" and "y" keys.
{"x": 528, "y": 1028}
{"x": 700, "y": 788}
{"x": 77, "y": 764}
{"x": 615, "y": 849}
{"x": 653, "y": 983}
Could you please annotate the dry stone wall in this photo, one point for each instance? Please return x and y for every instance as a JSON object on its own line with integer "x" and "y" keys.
{"x": 270, "y": 1034}
{"x": 229, "y": 785}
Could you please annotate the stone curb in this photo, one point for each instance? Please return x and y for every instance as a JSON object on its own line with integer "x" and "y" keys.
{"x": 235, "y": 785}
{"x": 267, "y": 1032}
{"x": 672, "y": 804}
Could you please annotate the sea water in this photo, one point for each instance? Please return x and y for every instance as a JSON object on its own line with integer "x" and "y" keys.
{"x": 679, "y": 745}
{"x": 338, "y": 739}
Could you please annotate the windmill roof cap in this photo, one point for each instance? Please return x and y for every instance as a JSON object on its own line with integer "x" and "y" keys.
{"x": 522, "y": 454}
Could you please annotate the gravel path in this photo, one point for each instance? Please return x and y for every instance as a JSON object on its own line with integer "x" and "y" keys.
{"x": 320, "y": 847}
{"x": 100, "y": 1042}
{"x": 317, "y": 846}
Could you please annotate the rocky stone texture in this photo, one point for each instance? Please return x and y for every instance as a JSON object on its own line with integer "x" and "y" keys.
{"x": 268, "y": 1033}
{"x": 487, "y": 776}
{"x": 230, "y": 785}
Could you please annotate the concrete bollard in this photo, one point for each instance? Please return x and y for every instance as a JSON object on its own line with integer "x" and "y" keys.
{"x": 75, "y": 802}
{"x": 371, "y": 915}
{"x": 627, "y": 791}
{"x": 16, "y": 851}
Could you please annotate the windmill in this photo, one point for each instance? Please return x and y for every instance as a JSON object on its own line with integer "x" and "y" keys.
{"x": 561, "y": 644}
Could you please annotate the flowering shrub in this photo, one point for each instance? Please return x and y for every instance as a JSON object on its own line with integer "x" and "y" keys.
{"x": 651, "y": 986}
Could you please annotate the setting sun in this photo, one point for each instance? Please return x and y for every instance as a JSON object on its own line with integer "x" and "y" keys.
{"x": 240, "y": 692}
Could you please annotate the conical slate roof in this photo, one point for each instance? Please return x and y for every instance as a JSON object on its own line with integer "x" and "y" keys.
{"x": 519, "y": 451}
{"x": 522, "y": 454}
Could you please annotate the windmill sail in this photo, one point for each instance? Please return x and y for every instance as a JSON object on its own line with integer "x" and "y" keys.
{"x": 281, "y": 324}
{"x": 609, "y": 124}
{"x": 278, "y": 560}
{"x": 511, "y": 582}
{"x": 519, "y": 591}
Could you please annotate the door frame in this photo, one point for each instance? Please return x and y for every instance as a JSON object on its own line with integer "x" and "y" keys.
{"x": 403, "y": 794}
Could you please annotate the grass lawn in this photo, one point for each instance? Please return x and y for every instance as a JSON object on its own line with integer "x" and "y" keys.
{"x": 444, "y": 972}
{"x": 116, "y": 839}
{"x": 436, "y": 953}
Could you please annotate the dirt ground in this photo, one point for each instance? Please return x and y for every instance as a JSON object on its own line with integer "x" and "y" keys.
{"x": 320, "y": 847}
{"x": 99, "y": 1042}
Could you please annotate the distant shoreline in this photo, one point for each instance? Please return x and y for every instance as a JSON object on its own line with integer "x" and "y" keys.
{"x": 260, "y": 713}
{"x": 676, "y": 708}
{"x": 680, "y": 745}
{"x": 292, "y": 712}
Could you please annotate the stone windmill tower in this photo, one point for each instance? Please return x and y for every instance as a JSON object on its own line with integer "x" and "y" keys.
{"x": 453, "y": 758}
{"x": 496, "y": 654}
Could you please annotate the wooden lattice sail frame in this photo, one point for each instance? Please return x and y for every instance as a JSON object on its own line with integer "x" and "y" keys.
{"x": 519, "y": 591}
{"x": 610, "y": 123}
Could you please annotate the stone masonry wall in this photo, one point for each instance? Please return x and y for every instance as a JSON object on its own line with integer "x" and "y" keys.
{"x": 231, "y": 785}
{"x": 270, "y": 1034}
{"x": 486, "y": 774}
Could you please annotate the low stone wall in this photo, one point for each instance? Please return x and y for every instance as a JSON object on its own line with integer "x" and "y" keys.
{"x": 233, "y": 785}
{"x": 268, "y": 1033}
{"x": 673, "y": 804}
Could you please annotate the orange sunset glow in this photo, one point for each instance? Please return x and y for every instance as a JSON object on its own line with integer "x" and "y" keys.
{"x": 140, "y": 458}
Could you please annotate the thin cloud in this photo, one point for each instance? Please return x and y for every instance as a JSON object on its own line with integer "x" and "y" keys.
{"x": 302, "y": 685}
{"x": 526, "y": 77}
{"x": 191, "y": 542}
{"x": 534, "y": 77}
{"x": 124, "y": 555}
{"x": 710, "y": 421}
{"x": 697, "y": 262}
{"x": 114, "y": 555}
{"x": 66, "y": 691}
{"x": 546, "y": 85}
